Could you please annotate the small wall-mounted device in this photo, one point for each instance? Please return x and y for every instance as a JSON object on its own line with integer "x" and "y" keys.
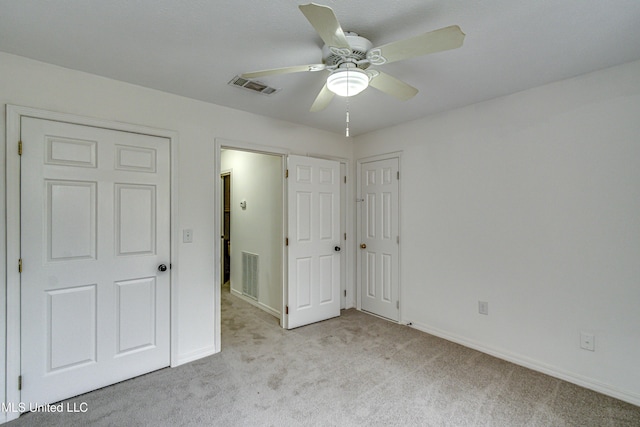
{"x": 243, "y": 204}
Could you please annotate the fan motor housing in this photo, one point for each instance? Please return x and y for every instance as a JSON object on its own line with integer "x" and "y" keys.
{"x": 359, "y": 48}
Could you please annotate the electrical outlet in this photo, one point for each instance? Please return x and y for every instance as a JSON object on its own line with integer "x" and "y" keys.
{"x": 187, "y": 236}
{"x": 483, "y": 307}
{"x": 587, "y": 341}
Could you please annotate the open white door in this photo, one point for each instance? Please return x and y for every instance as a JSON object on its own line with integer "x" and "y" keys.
{"x": 314, "y": 240}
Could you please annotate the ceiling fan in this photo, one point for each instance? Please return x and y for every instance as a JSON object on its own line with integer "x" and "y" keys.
{"x": 349, "y": 57}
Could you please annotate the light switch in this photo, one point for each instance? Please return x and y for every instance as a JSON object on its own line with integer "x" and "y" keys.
{"x": 187, "y": 236}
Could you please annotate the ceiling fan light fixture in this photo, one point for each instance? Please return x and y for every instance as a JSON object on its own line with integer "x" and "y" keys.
{"x": 347, "y": 81}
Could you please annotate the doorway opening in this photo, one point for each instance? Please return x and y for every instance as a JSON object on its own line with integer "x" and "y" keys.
{"x": 226, "y": 228}
{"x": 239, "y": 205}
{"x": 252, "y": 218}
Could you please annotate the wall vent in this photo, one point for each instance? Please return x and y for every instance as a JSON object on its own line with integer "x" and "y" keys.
{"x": 250, "y": 275}
{"x": 252, "y": 85}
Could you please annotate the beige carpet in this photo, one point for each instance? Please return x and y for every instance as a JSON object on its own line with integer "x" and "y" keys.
{"x": 354, "y": 370}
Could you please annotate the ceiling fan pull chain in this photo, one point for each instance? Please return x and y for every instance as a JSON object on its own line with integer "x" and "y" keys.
{"x": 347, "y": 130}
{"x": 346, "y": 133}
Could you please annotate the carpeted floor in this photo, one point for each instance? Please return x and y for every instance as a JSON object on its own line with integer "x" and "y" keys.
{"x": 352, "y": 370}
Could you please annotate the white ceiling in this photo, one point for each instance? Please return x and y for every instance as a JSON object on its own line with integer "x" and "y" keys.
{"x": 194, "y": 47}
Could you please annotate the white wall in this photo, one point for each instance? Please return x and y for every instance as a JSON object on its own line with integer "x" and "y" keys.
{"x": 35, "y": 84}
{"x": 532, "y": 203}
{"x": 257, "y": 179}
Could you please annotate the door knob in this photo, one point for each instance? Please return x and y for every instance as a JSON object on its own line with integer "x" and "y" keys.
{"x": 162, "y": 267}
{"x": 337, "y": 248}
{"x": 363, "y": 245}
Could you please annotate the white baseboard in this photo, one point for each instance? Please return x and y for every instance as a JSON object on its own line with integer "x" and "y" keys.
{"x": 269, "y": 310}
{"x": 535, "y": 365}
{"x": 194, "y": 355}
{"x": 262, "y": 306}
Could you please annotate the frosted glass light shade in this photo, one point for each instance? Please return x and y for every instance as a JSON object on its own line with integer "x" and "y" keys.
{"x": 347, "y": 81}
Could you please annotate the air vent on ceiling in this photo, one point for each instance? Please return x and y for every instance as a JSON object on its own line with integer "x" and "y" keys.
{"x": 253, "y": 85}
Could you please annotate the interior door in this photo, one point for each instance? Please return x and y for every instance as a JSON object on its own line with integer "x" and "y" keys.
{"x": 314, "y": 240}
{"x": 379, "y": 273}
{"x": 95, "y": 237}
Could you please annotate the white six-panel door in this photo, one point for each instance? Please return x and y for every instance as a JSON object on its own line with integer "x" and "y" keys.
{"x": 314, "y": 240}
{"x": 95, "y": 226}
{"x": 379, "y": 272}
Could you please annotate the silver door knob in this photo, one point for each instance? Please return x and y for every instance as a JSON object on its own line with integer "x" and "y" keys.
{"x": 162, "y": 267}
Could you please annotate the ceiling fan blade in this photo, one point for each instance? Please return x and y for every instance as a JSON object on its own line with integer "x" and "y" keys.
{"x": 322, "y": 100}
{"x": 284, "y": 70}
{"x": 431, "y": 42}
{"x": 392, "y": 86}
{"x": 326, "y": 24}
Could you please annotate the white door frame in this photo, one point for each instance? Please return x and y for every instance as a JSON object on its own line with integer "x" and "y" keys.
{"x": 359, "y": 162}
{"x": 12, "y": 289}
{"x": 222, "y": 143}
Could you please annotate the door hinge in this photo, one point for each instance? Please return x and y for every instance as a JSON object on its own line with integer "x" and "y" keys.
{"x": 20, "y": 382}
{"x": 398, "y": 239}
{"x": 345, "y": 179}
{"x": 345, "y": 236}
{"x": 398, "y": 175}
{"x": 286, "y": 173}
{"x": 345, "y": 293}
{"x": 20, "y": 265}
{"x": 286, "y": 309}
{"x": 19, "y": 148}
{"x": 286, "y": 241}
